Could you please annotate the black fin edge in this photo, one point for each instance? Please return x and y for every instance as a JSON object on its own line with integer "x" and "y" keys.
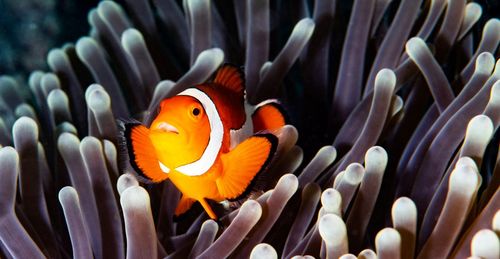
{"x": 276, "y": 104}
{"x": 250, "y": 188}
{"x": 126, "y": 152}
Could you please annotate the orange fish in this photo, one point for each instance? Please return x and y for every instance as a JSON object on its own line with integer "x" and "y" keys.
{"x": 195, "y": 141}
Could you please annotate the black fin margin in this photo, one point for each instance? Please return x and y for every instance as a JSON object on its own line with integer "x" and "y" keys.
{"x": 276, "y": 104}
{"x": 126, "y": 155}
{"x": 259, "y": 177}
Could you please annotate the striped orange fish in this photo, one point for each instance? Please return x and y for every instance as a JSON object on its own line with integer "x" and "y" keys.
{"x": 195, "y": 141}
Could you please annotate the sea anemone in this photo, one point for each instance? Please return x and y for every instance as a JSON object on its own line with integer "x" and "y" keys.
{"x": 395, "y": 107}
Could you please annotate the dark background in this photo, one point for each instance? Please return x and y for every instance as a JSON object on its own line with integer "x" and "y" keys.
{"x": 30, "y": 28}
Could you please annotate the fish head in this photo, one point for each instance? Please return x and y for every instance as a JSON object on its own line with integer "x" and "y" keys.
{"x": 180, "y": 132}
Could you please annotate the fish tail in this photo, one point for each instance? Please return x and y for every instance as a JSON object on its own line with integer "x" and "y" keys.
{"x": 269, "y": 116}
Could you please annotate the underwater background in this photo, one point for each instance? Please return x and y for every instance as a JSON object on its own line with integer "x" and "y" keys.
{"x": 393, "y": 150}
{"x": 30, "y": 28}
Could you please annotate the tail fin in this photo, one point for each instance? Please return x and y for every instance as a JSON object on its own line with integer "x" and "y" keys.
{"x": 269, "y": 115}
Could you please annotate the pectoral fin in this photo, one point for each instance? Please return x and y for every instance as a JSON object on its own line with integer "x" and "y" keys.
{"x": 141, "y": 153}
{"x": 244, "y": 163}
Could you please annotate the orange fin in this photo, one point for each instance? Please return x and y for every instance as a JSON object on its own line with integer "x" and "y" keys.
{"x": 243, "y": 163}
{"x": 268, "y": 116}
{"x": 184, "y": 205}
{"x": 231, "y": 77}
{"x": 208, "y": 209}
{"x": 141, "y": 153}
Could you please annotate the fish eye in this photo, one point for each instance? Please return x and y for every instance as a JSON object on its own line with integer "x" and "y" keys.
{"x": 196, "y": 111}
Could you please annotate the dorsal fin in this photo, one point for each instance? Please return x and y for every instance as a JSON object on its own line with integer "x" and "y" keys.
{"x": 231, "y": 77}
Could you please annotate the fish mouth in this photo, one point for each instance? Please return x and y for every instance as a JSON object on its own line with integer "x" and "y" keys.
{"x": 167, "y": 127}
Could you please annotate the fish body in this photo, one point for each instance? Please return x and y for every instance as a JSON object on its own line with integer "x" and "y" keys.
{"x": 195, "y": 141}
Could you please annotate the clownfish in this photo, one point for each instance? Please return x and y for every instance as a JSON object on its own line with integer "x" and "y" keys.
{"x": 193, "y": 141}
